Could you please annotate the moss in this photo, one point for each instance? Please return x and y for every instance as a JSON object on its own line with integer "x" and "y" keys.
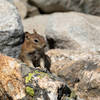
{"x": 36, "y": 73}
{"x": 29, "y": 77}
{"x": 29, "y": 91}
{"x": 28, "y": 81}
{"x": 40, "y": 74}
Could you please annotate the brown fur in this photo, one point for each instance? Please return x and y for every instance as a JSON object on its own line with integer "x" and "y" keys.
{"x": 32, "y": 50}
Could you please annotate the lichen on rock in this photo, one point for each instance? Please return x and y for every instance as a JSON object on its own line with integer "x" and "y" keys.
{"x": 29, "y": 91}
{"x": 19, "y": 81}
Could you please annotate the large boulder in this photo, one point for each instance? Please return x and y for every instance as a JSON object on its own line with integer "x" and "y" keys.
{"x": 86, "y": 6}
{"x": 20, "y": 82}
{"x": 81, "y": 71}
{"x": 11, "y": 29}
{"x": 50, "y": 5}
{"x": 73, "y": 31}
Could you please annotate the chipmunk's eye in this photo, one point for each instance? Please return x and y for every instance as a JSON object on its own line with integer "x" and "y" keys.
{"x": 36, "y": 40}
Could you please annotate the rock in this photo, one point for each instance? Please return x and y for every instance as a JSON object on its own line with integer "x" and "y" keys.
{"x": 91, "y": 7}
{"x": 57, "y": 5}
{"x": 22, "y": 8}
{"x": 11, "y": 29}
{"x": 81, "y": 70}
{"x": 26, "y": 83}
{"x": 73, "y": 31}
{"x": 85, "y": 6}
{"x": 49, "y": 6}
{"x": 27, "y": 10}
{"x": 11, "y": 80}
{"x": 11, "y": 1}
{"x": 38, "y": 22}
{"x": 32, "y": 11}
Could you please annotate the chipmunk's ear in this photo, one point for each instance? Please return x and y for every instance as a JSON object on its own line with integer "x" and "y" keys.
{"x": 27, "y": 35}
{"x": 34, "y": 31}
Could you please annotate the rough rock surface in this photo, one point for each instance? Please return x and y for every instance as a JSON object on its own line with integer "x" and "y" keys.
{"x": 81, "y": 70}
{"x": 11, "y": 80}
{"x": 22, "y": 7}
{"x": 32, "y": 11}
{"x": 73, "y": 31}
{"x": 85, "y": 6}
{"x": 50, "y": 5}
{"x": 25, "y": 9}
{"x": 11, "y": 29}
{"x": 39, "y": 23}
{"x": 19, "y": 81}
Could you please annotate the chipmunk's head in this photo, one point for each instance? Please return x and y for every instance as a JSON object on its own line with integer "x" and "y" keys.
{"x": 35, "y": 40}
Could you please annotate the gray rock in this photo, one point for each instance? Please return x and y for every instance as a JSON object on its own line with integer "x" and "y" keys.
{"x": 32, "y": 11}
{"x": 11, "y": 1}
{"x": 33, "y": 84}
{"x": 50, "y": 5}
{"x": 38, "y": 23}
{"x": 86, "y": 6}
{"x": 25, "y": 9}
{"x": 73, "y": 31}
{"x": 81, "y": 71}
{"x": 22, "y": 8}
{"x": 11, "y": 29}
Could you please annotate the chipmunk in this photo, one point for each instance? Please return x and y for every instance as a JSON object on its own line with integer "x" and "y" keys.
{"x": 32, "y": 51}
